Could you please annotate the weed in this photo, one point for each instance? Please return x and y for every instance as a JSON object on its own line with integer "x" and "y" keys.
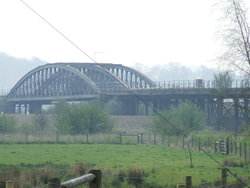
{"x": 136, "y": 176}
{"x": 232, "y": 163}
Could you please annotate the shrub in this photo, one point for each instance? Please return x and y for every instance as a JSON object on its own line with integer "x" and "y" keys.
{"x": 83, "y": 118}
{"x": 136, "y": 176}
{"x": 184, "y": 119}
{"x": 232, "y": 163}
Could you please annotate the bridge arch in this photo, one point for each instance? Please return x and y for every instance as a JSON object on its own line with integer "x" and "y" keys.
{"x": 66, "y": 80}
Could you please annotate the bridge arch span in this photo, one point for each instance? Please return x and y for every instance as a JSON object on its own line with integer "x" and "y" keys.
{"x": 69, "y": 80}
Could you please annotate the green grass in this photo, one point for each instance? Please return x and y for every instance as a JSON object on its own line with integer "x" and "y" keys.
{"x": 161, "y": 164}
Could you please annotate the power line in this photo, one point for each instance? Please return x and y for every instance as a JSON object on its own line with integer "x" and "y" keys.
{"x": 129, "y": 90}
{"x": 92, "y": 59}
{"x": 59, "y": 32}
{"x": 234, "y": 175}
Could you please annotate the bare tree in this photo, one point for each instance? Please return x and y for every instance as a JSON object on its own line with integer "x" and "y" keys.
{"x": 236, "y": 36}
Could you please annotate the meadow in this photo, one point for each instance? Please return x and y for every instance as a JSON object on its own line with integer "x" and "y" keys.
{"x": 161, "y": 165}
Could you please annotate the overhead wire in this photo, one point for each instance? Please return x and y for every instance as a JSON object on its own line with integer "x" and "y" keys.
{"x": 129, "y": 90}
{"x": 86, "y": 54}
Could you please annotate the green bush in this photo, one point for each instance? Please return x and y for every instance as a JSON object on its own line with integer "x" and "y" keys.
{"x": 184, "y": 119}
{"x": 83, "y": 118}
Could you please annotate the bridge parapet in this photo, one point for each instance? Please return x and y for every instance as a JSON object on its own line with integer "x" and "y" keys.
{"x": 180, "y": 84}
{"x": 200, "y": 83}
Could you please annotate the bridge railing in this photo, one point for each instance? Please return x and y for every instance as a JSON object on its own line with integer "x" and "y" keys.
{"x": 200, "y": 83}
{"x": 183, "y": 84}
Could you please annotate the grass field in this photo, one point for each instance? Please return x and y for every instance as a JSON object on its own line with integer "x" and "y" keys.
{"x": 166, "y": 166}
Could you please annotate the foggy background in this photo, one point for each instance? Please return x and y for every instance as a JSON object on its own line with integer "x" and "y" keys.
{"x": 12, "y": 69}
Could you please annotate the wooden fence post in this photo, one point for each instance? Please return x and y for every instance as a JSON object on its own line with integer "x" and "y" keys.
{"x": 120, "y": 138}
{"x": 141, "y": 138}
{"x": 216, "y": 145}
{"x": 231, "y": 147}
{"x": 188, "y": 181}
{"x": 2, "y": 184}
{"x": 149, "y": 138}
{"x": 154, "y": 138}
{"x": 183, "y": 142}
{"x": 26, "y": 138}
{"x": 245, "y": 151}
{"x": 9, "y": 184}
{"x": 199, "y": 144}
{"x": 57, "y": 137}
{"x": 224, "y": 178}
{"x": 235, "y": 148}
{"x": 240, "y": 149}
{"x": 168, "y": 141}
{"x": 54, "y": 183}
{"x": 227, "y": 146}
{"x": 96, "y": 183}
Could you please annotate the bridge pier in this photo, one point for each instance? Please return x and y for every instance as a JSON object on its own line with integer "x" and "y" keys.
{"x": 236, "y": 114}
{"x": 219, "y": 109}
{"x": 35, "y": 108}
{"x": 246, "y": 116}
{"x": 156, "y": 104}
{"x": 130, "y": 106}
{"x": 201, "y": 104}
{"x": 146, "y": 108}
{"x": 210, "y": 111}
{"x": 9, "y": 108}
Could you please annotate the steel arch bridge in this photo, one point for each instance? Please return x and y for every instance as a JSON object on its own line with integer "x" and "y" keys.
{"x": 135, "y": 93}
{"x": 71, "y": 81}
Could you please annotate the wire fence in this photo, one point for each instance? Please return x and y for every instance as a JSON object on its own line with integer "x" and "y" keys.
{"x": 116, "y": 181}
{"x": 225, "y": 146}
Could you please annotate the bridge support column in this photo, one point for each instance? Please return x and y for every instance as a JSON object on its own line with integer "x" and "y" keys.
{"x": 146, "y": 108}
{"x": 163, "y": 104}
{"x": 201, "y": 104}
{"x": 219, "y": 113}
{"x": 26, "y": 108}
{"x": 130, "y": 107}
{"x": 10, "y": 108}
{"x": 246, "y": 116}
{"x": 156, "y": 105}
{"x": 18, "y": 108}
{"x": 236, "y": 114}
{"x": 210, "y": 111}
{"x": 167, "y": 104}
{"x": 175, "y": 103}
{"x": 35, "y": 108}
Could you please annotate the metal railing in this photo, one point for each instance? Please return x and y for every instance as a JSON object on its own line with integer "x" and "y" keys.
{"x": 200, "y": 83}
{"x": 173, "y": 84}
{"x": 182, "y": 84}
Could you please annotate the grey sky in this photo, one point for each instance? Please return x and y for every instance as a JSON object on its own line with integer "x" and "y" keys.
{"x": 127, "y": 32}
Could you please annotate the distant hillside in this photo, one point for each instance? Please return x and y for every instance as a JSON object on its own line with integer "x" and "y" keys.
{"x": 176, "y": 71}
{"x": 12, "y": 69}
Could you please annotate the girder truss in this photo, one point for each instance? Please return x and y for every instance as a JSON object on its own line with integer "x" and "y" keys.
{"x": 70, "y": 79}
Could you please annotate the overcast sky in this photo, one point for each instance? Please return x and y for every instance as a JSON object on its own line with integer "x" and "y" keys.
{"x": 117, "y": 31}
